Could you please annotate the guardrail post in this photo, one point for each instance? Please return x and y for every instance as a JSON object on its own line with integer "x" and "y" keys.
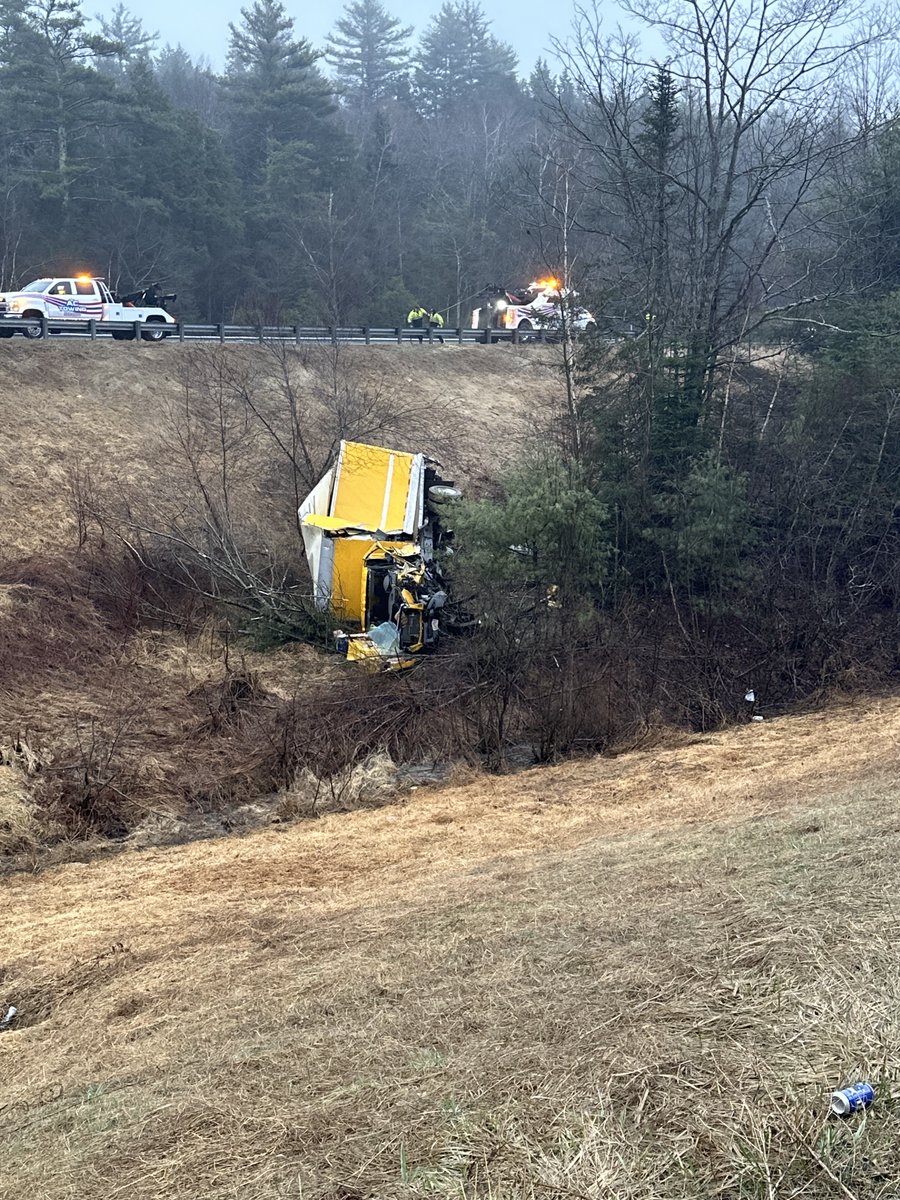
{"x": 542, "y": 336}
{"x": 221, "y": 333}
{"x": 181, "y": 331}
{"x": 459, "y": 335}
{"x": 430, "y": 336}
{"x": 486, "y": 340}
{"x": 92, "y": 330}
{"x": 45, "y": 328}
{"x": 515, "y": 337}
{"x": 367, "y": 337}
{"x": 399, "y": 332}
{"x": 333, "y": 332}
{"x": 259, "y": 334}
{"x": 137, "y": 332}
{"x": 296, "y": 335}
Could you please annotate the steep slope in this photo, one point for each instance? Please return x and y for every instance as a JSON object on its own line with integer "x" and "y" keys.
{"x": 67, "y": 406}
{"x": 635, "y": 978}
{"x": 113, "y": 683}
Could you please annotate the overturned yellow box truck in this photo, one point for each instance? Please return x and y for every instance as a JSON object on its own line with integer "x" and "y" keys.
{"x": 372, "y": 529}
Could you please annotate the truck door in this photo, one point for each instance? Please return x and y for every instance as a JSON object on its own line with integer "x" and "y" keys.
{"x": 88, "y": 299}
{"x": 61, "y": 299}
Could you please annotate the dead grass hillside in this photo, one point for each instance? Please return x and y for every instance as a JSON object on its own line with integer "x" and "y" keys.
{"x": 635, "y": 979}
{"x": 105, "y": 723}
{"x": 68, "y": 408}
{"x": 119, "y": 701}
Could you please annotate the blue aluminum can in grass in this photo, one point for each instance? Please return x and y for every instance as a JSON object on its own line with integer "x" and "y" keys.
{"x": 851, "y": 1099}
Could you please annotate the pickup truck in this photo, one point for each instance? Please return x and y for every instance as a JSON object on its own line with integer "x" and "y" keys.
{"x": 81, "y": 298}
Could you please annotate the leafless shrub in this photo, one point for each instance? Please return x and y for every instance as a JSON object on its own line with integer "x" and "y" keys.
{"x": 86, "y": 501}
{"x": 229, "y": 699}
{"x": 95, "y": 785}
{"x": 373, "y": 781}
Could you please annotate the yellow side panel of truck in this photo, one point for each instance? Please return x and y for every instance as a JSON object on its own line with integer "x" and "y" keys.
{"x": 372, "y": 488}
{"x": 348, "y": 589}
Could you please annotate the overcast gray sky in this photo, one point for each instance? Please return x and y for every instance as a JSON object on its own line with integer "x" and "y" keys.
{"x": 201, "y": 26}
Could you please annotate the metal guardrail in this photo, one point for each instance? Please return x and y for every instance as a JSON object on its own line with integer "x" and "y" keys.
{"x": 291, "y": 334}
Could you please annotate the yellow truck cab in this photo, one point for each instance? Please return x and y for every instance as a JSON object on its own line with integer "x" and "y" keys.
{"x": 370, "y": 528}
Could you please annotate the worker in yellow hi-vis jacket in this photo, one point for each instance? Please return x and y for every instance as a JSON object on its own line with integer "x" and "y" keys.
{"x": 436, "y": 321}
{"x": 417, "y": 317}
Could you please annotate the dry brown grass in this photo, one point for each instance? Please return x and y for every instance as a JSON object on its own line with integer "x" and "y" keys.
{"x": 635, "y": 978}
{"x": 104, "y": 722}
{"x": 20, "y": 830}
{"x": 100, "y": 412}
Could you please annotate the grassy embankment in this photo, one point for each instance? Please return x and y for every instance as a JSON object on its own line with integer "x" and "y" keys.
{"x": 114, "y": 712}
{"x": 636, "y": 978}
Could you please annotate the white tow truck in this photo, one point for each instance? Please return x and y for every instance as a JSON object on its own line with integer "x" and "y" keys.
{"x": 79, "y": 298}
{"x": 542, "y": 305}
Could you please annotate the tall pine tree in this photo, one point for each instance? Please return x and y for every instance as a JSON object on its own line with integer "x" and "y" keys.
{"x": 67, "y": 98}
{"x": 132, "y": 40}
{"x": 288, "y": 150}
{"x": 277, "y": 94}
{"x": 461, "y": 62}
{"x": 369, "y": 50}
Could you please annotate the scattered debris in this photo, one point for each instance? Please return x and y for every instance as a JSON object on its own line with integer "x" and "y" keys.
{"x": 8, "y": 1019}
{"x": 853, "y": 1098}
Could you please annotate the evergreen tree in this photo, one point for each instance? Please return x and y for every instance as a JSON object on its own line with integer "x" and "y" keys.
{"x": 170, "y": 202}
{"x": 460, "y": 61}
{"x": 65, "y": 99}
{"x": 14, "y": 24}
{"x": 541, "y": 82}
{"x": 127, "y": 33}
{"x": 368, "y": 49}
{"x": 657, "y": 144}
{"x": 189, "y": 85}
{"x": 277, "y": 94}
{"x": 874, "y": 210}
{"x": 288, "y": 149}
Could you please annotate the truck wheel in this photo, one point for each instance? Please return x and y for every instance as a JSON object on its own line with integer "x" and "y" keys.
{"x": 154, "y": 329}
{"x": 120, "y": 335}
{"x": 32, "y": 331}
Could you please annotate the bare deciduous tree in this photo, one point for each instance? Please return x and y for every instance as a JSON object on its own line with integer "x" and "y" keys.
{"x": 709, "y": 174}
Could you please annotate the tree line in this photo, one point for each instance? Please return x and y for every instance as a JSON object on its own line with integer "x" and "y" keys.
{"x": 322, "y": 185}
{"x": 748, "y": 170}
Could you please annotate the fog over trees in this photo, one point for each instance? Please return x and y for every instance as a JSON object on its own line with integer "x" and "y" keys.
{"x": 746, "y": 168}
